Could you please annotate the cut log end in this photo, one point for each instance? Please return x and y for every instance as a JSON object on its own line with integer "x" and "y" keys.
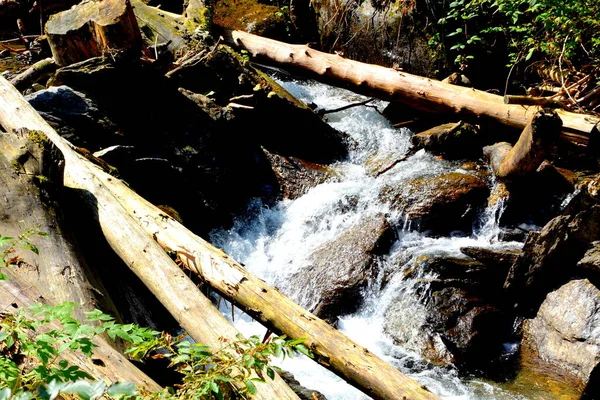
{"x": 92, "y": 29}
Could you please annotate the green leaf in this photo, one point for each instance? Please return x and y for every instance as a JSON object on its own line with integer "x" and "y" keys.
{"x": 85, "y": 390}
{"x": 270, "y": 373}
{"x": 214, "y": 387}
{"x": 251, "y": 387}
{"x": 51, "y": 390}
{"x": 304, "y": 350}
{"x": 121, "y": 388}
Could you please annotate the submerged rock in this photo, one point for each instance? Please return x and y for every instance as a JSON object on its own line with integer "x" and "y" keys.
{"x": 439, "y": 204}
{"x": 565, "y": 333}
{"x": 331, "y": 282}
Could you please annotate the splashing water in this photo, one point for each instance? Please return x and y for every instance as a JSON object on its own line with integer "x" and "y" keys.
{"x": 274, "y": 243}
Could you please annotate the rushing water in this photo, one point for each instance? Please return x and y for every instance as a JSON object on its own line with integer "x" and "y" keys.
{"x": 274, "y": 242}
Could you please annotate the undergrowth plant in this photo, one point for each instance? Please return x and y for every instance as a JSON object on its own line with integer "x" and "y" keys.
{"x": 557, "y": 30}
{"x": 34, "y": 343}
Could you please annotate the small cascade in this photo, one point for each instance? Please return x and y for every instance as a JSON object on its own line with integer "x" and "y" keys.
{"x": 274, "y": 244}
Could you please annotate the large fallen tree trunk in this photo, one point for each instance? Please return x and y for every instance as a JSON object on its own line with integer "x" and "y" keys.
{"x": 334, "y": 350}
{"x": 417, "y": 92}
{"x": 195, "y": 313}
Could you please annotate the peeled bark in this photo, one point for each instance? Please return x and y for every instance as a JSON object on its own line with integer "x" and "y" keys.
{"x": 195, "y": 313}
{"x": 530, "y": 150}
{"x": 389, "y": 84}
{"x": 92, "y": 29}
{"x": 119, "y": 205}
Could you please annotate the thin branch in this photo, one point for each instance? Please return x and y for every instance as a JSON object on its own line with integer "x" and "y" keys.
{"x": 362, "y": 103}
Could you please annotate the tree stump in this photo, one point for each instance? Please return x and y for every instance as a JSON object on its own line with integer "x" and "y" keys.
{"x": 93, "y": 28}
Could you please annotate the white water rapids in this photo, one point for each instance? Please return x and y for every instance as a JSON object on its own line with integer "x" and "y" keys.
{"x": 273, "y": 242}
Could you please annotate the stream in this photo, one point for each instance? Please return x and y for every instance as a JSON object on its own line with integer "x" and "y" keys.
{"x": 273, "y": 242}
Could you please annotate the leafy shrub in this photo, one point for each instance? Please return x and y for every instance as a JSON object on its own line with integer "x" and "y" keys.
{"x": 558, "y": 30}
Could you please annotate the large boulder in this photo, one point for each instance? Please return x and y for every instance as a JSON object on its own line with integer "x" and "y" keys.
{"x": 565, "y": 333}
{"x": 454, "y": 314}
{"x": 331, "y": 282}
{"x": 439, "y": 204}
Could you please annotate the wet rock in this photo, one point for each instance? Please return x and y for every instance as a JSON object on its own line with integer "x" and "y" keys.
{"x": 549, "y": 257}
{"x": 548, "y": 185}
{"x": 565, "y": 332}
{"x": 296, "y": 176}
{"x": 251, "y": 16}
{"x": 452, "y": 141}
{"x": 454, "y": 315}
{"x": 382, "y": 32}
{"x": 497, "y": 261}
{"x": 331, "y": 282}
{"x": 439, "y": 204}
{"x": 302, "y": 392}
{"x": 74, "y": 116}
{"x": 591, "y": 258}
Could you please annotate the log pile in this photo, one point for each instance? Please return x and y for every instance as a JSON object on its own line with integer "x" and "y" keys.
{"x": 161, "y": 251}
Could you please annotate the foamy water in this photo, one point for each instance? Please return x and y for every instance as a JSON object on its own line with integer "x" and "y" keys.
{"x": 274, "y": 243}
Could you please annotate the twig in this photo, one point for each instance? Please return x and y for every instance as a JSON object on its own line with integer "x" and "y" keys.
{"x": 362, "y": 103}
{"x": 241, "y": 97}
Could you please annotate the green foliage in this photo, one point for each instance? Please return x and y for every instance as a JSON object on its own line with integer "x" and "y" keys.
{"x": 11, "y": 245}
{"x": 565, "y": 30}
{"x": 31, "y": 366}
{"x": 32, "y": 342}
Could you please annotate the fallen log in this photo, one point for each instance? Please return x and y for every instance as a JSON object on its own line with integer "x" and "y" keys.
{"x": 194, "y": 312}
{"x": 92, "y": 29}
{"x": 31, "y": 181}
{"x": 42, "y": 68}
{"x": 389, "y": 84}
{"x": 160, "y": 26}
{"x": 529, "y": 151}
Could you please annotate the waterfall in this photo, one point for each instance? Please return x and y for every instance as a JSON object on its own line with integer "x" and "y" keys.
{"x": 273, "y": 242}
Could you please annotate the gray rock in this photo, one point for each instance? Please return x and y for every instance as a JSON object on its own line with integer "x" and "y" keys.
{"x": 549, "y": 257}
{"x": 452, "y": 141}
{"x": 566, "y": 330}
{"x": 335, "y": 274}
{"x": 74, "y": 116}
{"x": 591, "y": 258}
{"x": 439, "y": 204}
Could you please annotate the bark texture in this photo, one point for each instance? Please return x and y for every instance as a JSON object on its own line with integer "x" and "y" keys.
{"x": 91, "y": 29}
